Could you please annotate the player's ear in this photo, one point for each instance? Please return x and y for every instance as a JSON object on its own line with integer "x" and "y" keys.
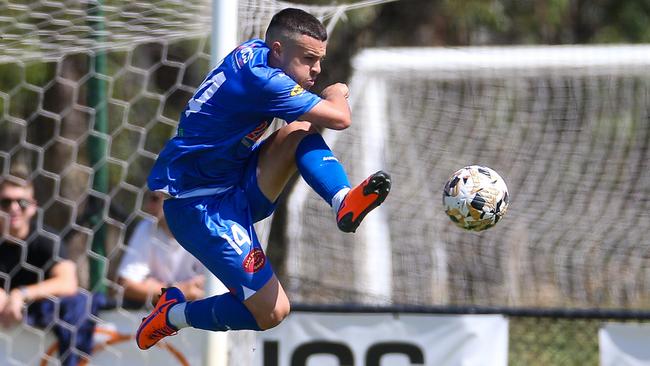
{"x": 277, "y": 49}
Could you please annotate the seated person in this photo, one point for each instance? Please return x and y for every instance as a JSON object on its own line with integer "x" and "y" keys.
{"x": 35, "y": 273}
{"x": 154, "y": 259}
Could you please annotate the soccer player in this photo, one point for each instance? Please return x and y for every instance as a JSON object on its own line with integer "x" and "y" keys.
{"x": 221, "y": 178}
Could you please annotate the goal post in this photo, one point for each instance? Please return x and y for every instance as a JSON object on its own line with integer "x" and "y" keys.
{"x": 223, "y": 40}
{"x": 521, "y": 61}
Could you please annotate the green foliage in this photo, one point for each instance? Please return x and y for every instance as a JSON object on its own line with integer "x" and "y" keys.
{"x": 116, "y": 60}
{"x": 476, "y": 14}
{"x": 626, "y": 20}
{"x": 40, "y": 73}
{"x": 143, "y": 110}
{"x": 128, "y": 85}
{"x": 500, "y": 22}
{"x": 158, "y": 134}
{"x": 24, "y": 103}
{"x": 11, "y": 75}
{"x": 124, "y": 144}
{"x": 182, "y": 50}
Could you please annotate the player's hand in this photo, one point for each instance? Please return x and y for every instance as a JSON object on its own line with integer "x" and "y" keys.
{"x": 338, "y": 88}
{"x": 333, "y": 111}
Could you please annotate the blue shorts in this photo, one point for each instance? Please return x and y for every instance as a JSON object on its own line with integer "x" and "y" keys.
{"x": 218, "y": 230}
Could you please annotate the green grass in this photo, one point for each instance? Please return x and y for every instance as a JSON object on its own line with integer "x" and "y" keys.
{"x": 553, "y": 342}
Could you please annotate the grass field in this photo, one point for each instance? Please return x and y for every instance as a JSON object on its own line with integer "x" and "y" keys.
{"x": 553, "y": 342}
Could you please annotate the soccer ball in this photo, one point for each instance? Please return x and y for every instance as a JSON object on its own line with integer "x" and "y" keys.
{"x": 475, "y": 198}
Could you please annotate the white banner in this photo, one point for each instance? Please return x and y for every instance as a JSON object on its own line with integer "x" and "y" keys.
{"x": 624, "y": 344}
{"x": 317, "y": 339}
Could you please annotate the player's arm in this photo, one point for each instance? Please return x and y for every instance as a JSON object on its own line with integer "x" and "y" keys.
{"x": 333, "y": 111}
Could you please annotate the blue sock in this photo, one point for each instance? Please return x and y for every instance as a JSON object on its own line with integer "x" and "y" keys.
{"x": 220, "y": 313}
{"x": 319, "y": 168}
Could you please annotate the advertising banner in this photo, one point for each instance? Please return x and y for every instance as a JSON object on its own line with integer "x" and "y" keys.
{"x": 624, "y": 344}
{"x": 317, "y": 339}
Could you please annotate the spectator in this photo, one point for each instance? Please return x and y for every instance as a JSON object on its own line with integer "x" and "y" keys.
{"x": 154, "y": 259}
{"x": 34, "y": 273}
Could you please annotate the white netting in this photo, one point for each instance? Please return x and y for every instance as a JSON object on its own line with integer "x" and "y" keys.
{"x": 566, "y": 127}
{"x": 89, "y": 93}
{"x": 50, "y": 29}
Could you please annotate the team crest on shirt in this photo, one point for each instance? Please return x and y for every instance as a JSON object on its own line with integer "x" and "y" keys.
{"x": 254, "y": 261}
{"x": 243, "y": 54}
{"x": 297, "y": 90}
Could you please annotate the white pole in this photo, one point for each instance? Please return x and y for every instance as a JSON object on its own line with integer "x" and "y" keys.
{"x": 223, "y": 40}
{"x": 377, "y": 271}
{"x": 224, "y": 29}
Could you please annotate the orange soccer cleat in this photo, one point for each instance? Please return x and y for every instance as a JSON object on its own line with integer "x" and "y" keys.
{"x": 362, "y": 199}
{"x": 156, "y": 326}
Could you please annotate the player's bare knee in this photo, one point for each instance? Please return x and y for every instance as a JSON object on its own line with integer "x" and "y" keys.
{"x": 301, "y": 126}
{"x": 298, "y": 132}
{"x": 299, "y": 129}
{"x": 274, "y": 318}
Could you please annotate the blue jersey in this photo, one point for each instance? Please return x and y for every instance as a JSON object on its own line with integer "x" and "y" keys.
{"x": 224, "y": 119}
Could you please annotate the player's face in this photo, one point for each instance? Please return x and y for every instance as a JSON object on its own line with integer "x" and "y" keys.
{"x": 301, "y": 59}
{"x": 18, "y": 207}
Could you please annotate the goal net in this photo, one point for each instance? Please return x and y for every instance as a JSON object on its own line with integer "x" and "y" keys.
{"x": 89, "y": 93}
{"x": 566, "y": 127}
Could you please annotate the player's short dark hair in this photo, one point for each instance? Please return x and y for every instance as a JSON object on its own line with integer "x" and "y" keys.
{"x": 291, "y": 23}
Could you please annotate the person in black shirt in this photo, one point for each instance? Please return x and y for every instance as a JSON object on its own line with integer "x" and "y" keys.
{"x": 35, "y": 274}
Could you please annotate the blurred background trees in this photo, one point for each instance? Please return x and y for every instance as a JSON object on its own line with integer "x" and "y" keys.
{"x": 449, "y": 23}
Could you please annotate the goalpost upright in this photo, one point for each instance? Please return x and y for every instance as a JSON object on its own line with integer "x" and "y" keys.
{"x": 222, "y": 41}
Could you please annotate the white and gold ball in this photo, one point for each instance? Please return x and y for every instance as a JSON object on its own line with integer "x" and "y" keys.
{"x": 475, "y": 198}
